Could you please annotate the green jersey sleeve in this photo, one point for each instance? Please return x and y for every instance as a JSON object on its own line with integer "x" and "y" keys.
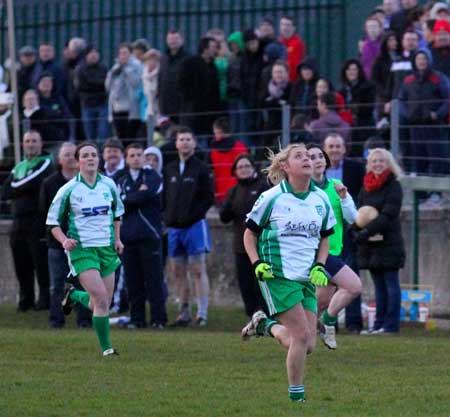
{"x": 60, "y": 207}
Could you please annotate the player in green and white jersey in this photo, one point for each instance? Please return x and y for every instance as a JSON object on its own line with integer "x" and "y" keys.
{"x": 90, "y": 206}
{"x": 343, "y": 277}
{"x": 287, "y": 241}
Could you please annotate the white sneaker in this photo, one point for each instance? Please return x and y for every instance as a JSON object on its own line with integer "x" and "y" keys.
{"x": 328, "y": 336}
{"x": 371, "y": 332}
{"x": 250, "y": 329}
{"x": 109, "y": 352}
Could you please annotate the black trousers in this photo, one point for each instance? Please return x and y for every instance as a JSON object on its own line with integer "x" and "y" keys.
{"x": 144, "y": 277}
{"x": 29, "y": 252}
{"x": 353, "y": 316}
{"x": 248, "y": 285}
{"x": 127, "y": 130}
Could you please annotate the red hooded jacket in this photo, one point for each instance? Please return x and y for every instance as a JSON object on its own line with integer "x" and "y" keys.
{"x": 223, "y": 153}
{"x": 296, "y": 51}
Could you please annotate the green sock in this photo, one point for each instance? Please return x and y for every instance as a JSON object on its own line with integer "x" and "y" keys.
{"x": 101, "y": 326}
{"x": 327, "y": 319}
{"x": 264, "y": 327}
{"x": 296, "y": 392}
{"x": 81, "y": 297}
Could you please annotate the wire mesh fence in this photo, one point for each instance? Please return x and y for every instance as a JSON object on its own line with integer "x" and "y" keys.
{"x": 423, "y": 146}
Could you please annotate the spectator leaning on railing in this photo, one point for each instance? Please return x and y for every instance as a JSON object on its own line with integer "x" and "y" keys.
{"x": 424, "y": 105}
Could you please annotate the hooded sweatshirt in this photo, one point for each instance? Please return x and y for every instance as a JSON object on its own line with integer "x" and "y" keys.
{"x": 223, "y": 153}
{"x": 234, "y": 80}
{"x": 424, "y": 92}
{"x": 155, "y": 151}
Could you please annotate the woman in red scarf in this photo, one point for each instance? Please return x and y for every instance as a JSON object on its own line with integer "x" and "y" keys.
{"x": 384, "y": 254}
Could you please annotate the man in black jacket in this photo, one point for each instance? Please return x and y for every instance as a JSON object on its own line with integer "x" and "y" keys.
{"x": 399, "y": 20}
{"x": 198, "y": 86}
{"x": 188, "y": 194}
{"x": 351, "y": 173}
{"x": 57, "y": 261}
{"x": 169, "y": 100}
{"x": 28, "y": 229}
{"x": 140, "y": 190}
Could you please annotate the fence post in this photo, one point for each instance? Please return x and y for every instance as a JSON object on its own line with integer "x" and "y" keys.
{"x": 285, "y": 124}
{"x": 12, "y": 57}
{"x": 150, "y": 122}
{"x": 395, "y": 129}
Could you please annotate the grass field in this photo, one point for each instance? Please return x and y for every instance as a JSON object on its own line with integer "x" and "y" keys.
{"x": 210, "y": 372}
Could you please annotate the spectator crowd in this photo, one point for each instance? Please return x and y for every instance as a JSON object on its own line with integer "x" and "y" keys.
{"x": 217, "y": 108}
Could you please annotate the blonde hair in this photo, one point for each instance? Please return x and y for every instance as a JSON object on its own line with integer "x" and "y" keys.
{"x": 275, "y": 173}
{"x": 152, "y": 54}
{"x": 392, "y": 163}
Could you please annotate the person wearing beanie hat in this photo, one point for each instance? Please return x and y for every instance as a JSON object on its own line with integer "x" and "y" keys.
{"x": 441, "y": 25}
{"x": 424, "y": 105}
{"x": 273, "y": 52}
{"x": 89, "y": 83}
{"x": 440, "y": 48}
{"x": 28, "y": 60}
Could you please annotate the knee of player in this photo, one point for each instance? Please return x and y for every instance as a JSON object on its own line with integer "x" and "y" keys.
{"x": 356, "y": 287}
{"x": 300, "y": 336}
{"x": 311, "y": 346}
{"x": 101, "y": 300}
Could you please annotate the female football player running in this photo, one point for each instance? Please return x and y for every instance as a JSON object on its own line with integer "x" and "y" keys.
{"x": 287, "y": 242}
{"x": 348, "y": 284}
{"x": 90, "y": 206}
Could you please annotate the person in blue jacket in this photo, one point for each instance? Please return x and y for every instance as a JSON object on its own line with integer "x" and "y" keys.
{"x": 140, "y": 190}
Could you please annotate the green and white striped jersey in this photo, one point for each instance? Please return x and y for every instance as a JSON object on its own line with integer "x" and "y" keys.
{"x": 290, "y": 227}
{"x": 90, "y": 210}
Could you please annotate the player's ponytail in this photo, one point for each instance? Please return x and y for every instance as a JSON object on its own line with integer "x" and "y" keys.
{"x": 275, "y": 172}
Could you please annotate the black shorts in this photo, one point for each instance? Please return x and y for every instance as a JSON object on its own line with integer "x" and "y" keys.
{"x": 333, "y": 265}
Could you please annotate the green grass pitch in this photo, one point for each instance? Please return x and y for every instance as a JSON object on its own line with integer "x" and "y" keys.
{"x": 210, "y": 372}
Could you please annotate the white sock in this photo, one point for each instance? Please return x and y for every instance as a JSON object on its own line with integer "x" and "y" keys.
{"x": 202, "y": 307}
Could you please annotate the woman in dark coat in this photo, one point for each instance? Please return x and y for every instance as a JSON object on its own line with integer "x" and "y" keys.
{"x": 238, "y": 203}
{"x": 380, "y": 242}
{"x": 359, "y": 96}
{"x": 389, "y": 52}
{"x": 302, "y": 98}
